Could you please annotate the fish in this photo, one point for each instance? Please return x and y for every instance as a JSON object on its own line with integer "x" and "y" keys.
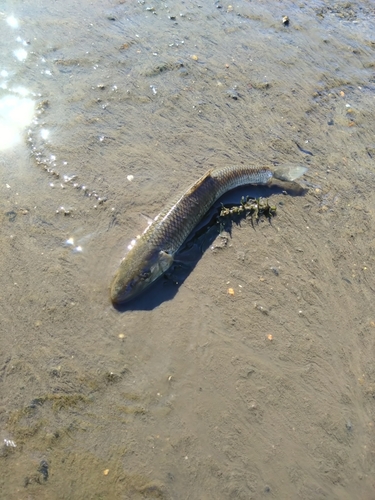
{"x": 152, "y": 253}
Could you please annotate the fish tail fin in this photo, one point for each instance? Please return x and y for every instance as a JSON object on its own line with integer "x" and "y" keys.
{"x": 289, "y": 172}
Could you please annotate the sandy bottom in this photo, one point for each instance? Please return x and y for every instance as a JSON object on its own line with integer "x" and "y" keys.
{"x": 191, "y": 392}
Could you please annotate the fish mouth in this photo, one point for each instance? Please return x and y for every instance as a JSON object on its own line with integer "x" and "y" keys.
{"x": 120, "y": 293}
{"x": 120, "y": 297}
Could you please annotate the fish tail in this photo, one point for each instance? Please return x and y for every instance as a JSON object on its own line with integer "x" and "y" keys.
{"x": 289, "y": 172}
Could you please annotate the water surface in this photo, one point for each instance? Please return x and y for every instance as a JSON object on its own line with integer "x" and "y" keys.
{"x": 105, "y": 111}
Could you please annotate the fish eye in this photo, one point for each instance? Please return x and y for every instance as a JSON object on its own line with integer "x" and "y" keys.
{"x": 146, "y": 273}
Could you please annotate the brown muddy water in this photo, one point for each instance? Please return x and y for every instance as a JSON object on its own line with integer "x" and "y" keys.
{"x": 191, "y": 392}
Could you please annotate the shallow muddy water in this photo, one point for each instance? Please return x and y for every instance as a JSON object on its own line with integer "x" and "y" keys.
{"x": 191, "y": 392}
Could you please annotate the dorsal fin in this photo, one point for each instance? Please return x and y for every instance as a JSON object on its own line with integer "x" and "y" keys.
{"x": 199, "y": 182}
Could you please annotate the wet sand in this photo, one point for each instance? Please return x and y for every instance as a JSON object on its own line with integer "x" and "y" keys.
{"x": 191, "y": 392}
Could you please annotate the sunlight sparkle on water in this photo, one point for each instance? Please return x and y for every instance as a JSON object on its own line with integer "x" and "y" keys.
{"x": 21, "y": 90}
{"x": 15, "y": 114}
{"x": 76, "y": 249}
{"x": 44, "y": 133}
{"x": 9, "y": 442}
{"x": 12, "y": 21}
{"x": 19, "y": 39}
{"x": 20, "y": 54}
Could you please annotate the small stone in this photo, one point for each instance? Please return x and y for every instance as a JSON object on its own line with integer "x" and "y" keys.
{"x": 275, "y": 271}
{"x": 261, "y": 309}
{"x": 349, "y": 425}
{"x": 233, "y": 94}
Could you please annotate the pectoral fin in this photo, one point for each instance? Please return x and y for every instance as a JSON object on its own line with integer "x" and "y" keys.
{"x": 165, "y": 260}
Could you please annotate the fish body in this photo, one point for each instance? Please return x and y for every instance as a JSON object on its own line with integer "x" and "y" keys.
{"x": 152, "y": 253}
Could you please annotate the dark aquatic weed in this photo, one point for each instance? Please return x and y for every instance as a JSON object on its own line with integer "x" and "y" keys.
{"x": 255, "y": 207}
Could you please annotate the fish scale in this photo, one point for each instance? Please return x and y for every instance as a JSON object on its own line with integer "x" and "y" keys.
{"x": 151, "y": 254}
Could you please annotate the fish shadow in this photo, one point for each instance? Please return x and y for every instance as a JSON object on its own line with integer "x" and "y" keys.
{"x": 202, "y": 238}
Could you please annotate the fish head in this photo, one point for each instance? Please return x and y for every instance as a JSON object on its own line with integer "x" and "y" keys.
{"x": 140, "y": 267}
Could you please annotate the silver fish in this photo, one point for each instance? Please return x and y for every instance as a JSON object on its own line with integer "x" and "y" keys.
{"x": 152, "y": 253}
